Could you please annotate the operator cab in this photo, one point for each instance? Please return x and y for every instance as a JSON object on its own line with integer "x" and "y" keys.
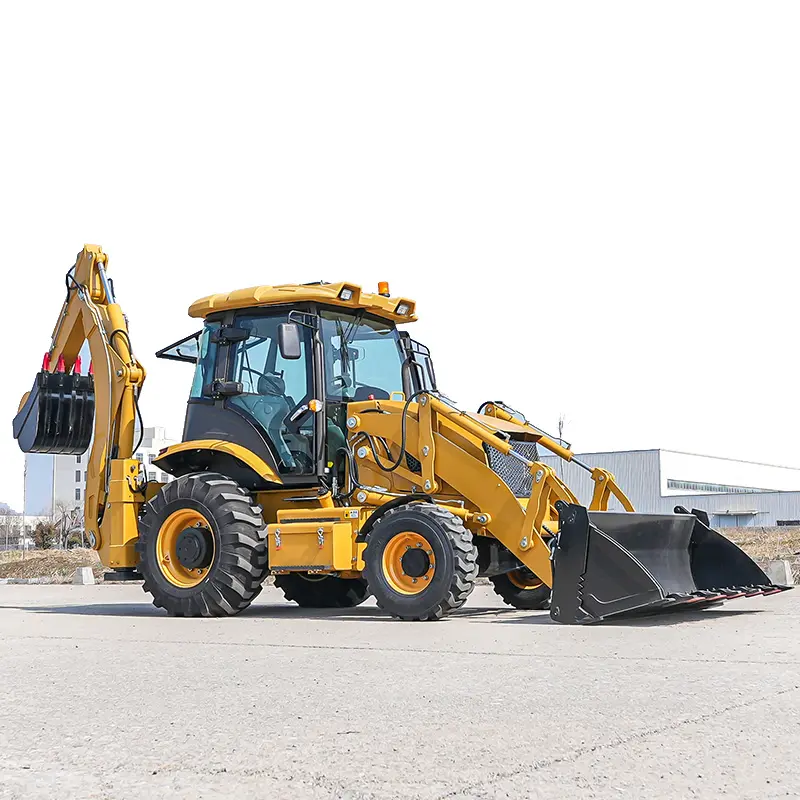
{"x": 277, "y": 381}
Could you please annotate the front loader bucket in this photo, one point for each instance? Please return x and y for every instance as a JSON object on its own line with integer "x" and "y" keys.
{"x": 57, "y": 416}
{"x": 607, "y": 563}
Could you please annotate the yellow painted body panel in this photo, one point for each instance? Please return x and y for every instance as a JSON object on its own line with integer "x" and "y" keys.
{"x": 291, "y": 294}
{"x": 119, "y": 529}
{"x": 320, "y": 539}
{"x": 275, "y": 501}
{"x": 258, "y": 465}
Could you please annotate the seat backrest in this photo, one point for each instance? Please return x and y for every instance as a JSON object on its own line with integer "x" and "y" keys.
{"x": 271, "y": 385}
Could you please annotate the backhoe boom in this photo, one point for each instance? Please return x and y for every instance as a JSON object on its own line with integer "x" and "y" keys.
{"x": 113, "y": 490}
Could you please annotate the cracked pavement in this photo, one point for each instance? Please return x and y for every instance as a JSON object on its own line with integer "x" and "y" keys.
{"x": 106, "y": 697}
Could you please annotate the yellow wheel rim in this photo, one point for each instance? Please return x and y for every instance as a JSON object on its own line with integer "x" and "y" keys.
{"x": 408, "y": 563}
{"x": 522, "y": 581}
{"x": 167, "y": 548}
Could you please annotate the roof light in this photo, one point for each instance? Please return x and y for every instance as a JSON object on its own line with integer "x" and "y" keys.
{"x": 77, "y": 368}
{"x": 383, "y": 288}
{"x": 346, "y": 294}
{"x": 402, "y": 309}
{"x": 46, "y": 362}
{"x": 60, "y": 365}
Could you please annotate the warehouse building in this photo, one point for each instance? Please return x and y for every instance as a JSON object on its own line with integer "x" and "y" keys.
{"x": 734, "y": 493}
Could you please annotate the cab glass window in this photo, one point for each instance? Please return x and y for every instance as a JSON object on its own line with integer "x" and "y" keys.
{"x": 362, "y": 357}
{"x": 274, "y": 390}
{"x": 206, "y": 358}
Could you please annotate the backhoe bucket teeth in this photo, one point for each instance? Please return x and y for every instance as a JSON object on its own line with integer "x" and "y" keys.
{"x": 608, "y": 563}
{"x": 58, "y": 415}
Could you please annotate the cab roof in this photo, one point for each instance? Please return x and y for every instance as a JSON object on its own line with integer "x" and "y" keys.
{"x": 291, "y": 294}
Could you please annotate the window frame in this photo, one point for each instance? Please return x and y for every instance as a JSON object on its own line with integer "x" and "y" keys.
{"x": 226, "y": 365}
{"x": 165, "y": 354}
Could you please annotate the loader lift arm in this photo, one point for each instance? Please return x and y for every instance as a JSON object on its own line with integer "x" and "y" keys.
{"x": 520, "y": 527}
{"x": 599, "y": 563}
{"x": 605, "y": 484}
{"x": 113, "y": 491}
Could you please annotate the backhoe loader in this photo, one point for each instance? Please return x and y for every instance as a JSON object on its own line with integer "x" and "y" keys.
{"x": 317, "y": 448}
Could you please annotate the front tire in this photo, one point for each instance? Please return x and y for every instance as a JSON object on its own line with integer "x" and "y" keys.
{"x": 521, "y": 589}
{"x": 322, "y": 591}
{"x": 202, "y": 547}
{"x": 420, "y": 562}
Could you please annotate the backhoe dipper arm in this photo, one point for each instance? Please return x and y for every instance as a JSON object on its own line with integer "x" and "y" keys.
{"x": 113, "y": 494}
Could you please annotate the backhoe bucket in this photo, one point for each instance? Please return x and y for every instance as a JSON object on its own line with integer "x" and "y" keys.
{"x": 57, "y": 416}
{"x": 608, "y": 563}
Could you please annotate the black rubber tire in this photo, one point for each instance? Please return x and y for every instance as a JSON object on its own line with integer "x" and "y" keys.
{"x": 456, "y": 562}
{"x": 534, "y": 599}
{"x": 322, "y": 591}
{"x": 239, "y": 566}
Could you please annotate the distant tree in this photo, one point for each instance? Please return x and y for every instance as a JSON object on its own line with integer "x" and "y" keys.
{"x": 11, "y": 531}
{"x": 45, "y": 535}
{"x": 67, "y": 517}
{"x": 7, "y": 511}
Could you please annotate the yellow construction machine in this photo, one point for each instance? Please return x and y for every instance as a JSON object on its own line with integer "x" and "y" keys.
{"x": 317, "y": 448}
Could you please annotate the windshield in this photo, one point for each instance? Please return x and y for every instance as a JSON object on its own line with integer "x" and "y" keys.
{"x": 362, "y": 357}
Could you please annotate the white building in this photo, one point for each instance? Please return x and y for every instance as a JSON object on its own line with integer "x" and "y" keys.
{"x": 154, "y": 439}
{"x": 58, "y": 483}
{"x": 735, "y": 493}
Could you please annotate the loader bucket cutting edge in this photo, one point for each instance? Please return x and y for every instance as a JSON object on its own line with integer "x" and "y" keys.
{"x": 609, "y": 563}
{"x": 57, "y": 416}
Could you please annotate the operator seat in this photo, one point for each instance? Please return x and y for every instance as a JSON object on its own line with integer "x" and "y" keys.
{"x": 269, "y": 409}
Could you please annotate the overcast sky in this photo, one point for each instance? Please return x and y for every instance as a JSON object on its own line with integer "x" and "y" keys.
{"x": 595, "y": 205}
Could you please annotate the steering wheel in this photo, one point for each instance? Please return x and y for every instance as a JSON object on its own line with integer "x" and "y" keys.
{"x": 341, "y": 381}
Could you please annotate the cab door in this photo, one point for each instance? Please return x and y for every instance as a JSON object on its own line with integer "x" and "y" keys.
{"x": 273, "y": 393}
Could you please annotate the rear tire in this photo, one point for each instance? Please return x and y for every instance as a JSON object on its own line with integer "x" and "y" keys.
{"x": 521, "y": 589}
{"x": 420, "y": 562}
{"x": 202, "y": 547}
{"x": 322, "y": 591}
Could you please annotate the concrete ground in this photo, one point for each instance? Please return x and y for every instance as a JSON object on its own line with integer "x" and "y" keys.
{"x": 105, "y": 697}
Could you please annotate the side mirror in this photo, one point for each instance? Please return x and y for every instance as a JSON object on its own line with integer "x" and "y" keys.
{"x": 289, "y": 340}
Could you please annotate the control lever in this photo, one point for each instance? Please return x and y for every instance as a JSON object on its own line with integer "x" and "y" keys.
{"x": 311, "y": 405}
